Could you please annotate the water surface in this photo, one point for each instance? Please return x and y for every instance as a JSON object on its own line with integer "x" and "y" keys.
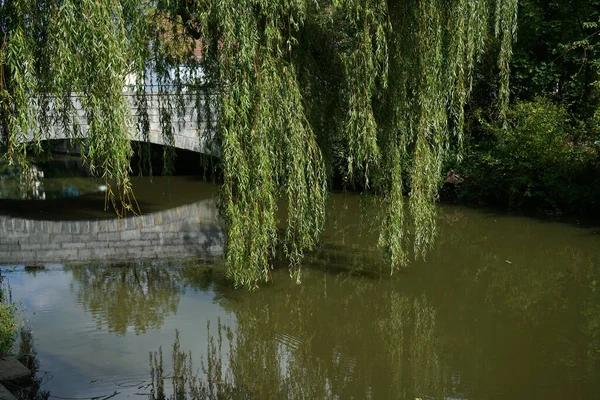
{"x": 504, "y": 307}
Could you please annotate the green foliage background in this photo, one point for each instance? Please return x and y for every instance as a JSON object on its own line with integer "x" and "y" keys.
{"x": 540, "y": 160}
{"x": 8, "y": 322}
{"x": 545, "y": 156}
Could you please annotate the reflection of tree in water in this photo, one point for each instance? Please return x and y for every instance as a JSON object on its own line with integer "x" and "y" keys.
{"x": 291, "y": 345}
{"x": 536, "y": 284}
{"x": 518, "y": 302}
{"x": 350, "y": 237}
{"x": 133, "y": 296}
{"x": 410, "y": 335}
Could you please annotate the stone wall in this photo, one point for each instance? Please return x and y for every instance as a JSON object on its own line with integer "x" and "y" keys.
{"x": 188, "y": 232}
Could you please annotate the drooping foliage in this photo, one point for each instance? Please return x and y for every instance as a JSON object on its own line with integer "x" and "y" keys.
{"x": 301, "y": 91}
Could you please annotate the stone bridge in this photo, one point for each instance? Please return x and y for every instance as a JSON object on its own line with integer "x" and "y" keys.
{"x": 188, "y": 232}
{"x": 188, "y": 133}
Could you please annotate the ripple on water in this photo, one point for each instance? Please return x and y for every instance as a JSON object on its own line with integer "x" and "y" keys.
{"x": 466, "y": 324}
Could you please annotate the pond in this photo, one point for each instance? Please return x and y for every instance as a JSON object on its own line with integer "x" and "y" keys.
{"x": 504, "y": 307}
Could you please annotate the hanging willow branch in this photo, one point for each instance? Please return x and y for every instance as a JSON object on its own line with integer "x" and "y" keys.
{"x": 301, "y": 90}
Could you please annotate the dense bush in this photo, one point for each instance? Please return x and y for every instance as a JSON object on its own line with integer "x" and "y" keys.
{"x": 8, "y": 328}
{"x": 539, "y": 159}
{"x": 8, "y": 319}
{"x": 544, "y": 155}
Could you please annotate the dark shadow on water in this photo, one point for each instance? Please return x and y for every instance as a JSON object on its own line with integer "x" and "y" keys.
{"x": 151, "y": 195}
{"x": 586, "y": 220}
{"x": 337, "y": 259}
{"x": 87, "y": 207}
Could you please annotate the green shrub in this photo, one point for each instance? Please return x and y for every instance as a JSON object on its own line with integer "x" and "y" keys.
{"x": 8, "y": 327}
{"x": 540, "y": 158}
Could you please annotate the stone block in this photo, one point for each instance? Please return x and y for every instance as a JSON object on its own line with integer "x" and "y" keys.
{"x": 19, "y": 225}
{"x": 14, "y": 236}
{"x": 55, "y": 227}
{"x": 8, "y": 224}
{"x": 84, "y": 227}
{"x": 11, "y": 369}
{"x": 135, "y": 252}
{"x": 84, "y": 254}
{"x": 40, "y": 238}
{"x": 5, "y": 394}
{"x": 107, "y": 236}
{"x": 103, "y": 226}
{"x": 75, "y": 227}
{"x": 99, "y": 245}
{"x": 59, "y": 255}
{"x": 77, "y": 245}
{"x": 85, "y": 238}
{"x": 151, "y": 229}
{"x": 28, "y": 225}
{"x": 61, "y": 238}
{"x": 158, "y": 218}
{"x": 157, "y": 243}
{"x": 30, "y": 246}
{"x": 47, "y": 226}
{"x": 127, "y": 224}
{"x": 94, "y": 227}
{"x": 38, "y": 226}
{"x": 149, "y": 236}
{"x": 146, "y": 220}
{"x": 131, "y": 235}
{"x": 66, "y": 227}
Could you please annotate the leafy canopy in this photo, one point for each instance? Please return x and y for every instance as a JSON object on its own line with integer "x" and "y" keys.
{"x": 302, "y": 91}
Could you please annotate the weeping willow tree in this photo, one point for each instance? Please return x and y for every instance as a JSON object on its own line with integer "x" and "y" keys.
{"x": 301, "y": 91}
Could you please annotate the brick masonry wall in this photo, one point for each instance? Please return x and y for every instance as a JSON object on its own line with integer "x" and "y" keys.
{"x": 188, "y": 232}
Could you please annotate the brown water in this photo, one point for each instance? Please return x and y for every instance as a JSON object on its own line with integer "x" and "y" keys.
{"x": 504, "y": 307}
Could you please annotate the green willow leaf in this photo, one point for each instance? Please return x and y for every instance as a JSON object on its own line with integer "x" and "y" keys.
{"x": 294, "y": 94}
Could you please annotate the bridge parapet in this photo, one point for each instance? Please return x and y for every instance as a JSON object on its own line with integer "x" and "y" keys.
{"x": 190, "y": 132}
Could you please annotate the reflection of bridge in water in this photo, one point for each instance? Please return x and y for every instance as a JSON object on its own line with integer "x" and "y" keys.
{"x": 187, "y": 232}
